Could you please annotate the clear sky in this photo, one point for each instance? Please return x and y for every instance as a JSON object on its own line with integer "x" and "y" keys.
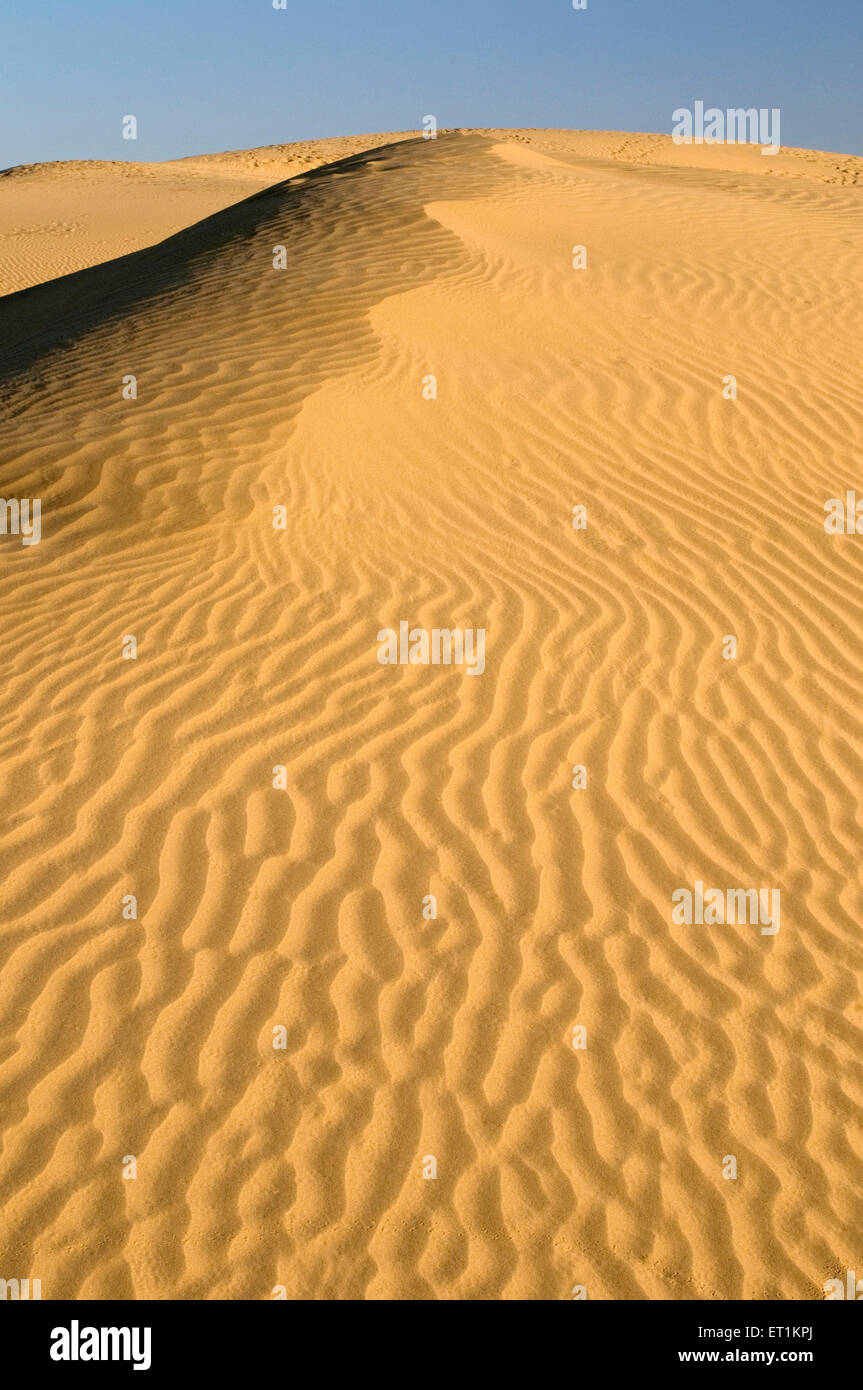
{"x": 207, "y": 75}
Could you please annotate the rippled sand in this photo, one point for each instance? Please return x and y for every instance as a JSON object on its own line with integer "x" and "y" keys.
{"x": 300, "y": 907}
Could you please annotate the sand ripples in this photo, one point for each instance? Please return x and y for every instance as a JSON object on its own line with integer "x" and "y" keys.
{"x": 303, "y": 907}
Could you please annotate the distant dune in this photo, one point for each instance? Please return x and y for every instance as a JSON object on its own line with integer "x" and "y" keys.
{"x": 277, "y": 1068}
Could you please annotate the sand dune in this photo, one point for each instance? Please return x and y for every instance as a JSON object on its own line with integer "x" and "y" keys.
{"x": 68, "y": 215}
{"x": 65, "y": 216}
{"x": 301, "y": 907}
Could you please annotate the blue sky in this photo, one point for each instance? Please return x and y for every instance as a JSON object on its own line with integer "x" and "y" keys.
{"x": 206, "y": 75}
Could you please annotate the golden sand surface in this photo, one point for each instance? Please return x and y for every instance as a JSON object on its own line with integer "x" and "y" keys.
{"x": 320, "y": 1086}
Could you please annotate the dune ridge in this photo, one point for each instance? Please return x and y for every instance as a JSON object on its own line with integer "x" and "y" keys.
{"x": 67, "y": 215}
{"x": 302, "y": 908}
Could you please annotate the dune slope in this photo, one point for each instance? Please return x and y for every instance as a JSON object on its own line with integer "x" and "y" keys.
{"x": 302, "y": 906}
{"x": 66, "y": 215}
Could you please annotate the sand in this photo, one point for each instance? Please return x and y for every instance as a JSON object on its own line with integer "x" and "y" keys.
{"x": 283, "y": 1038}
{"x": 64, "y": 216}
